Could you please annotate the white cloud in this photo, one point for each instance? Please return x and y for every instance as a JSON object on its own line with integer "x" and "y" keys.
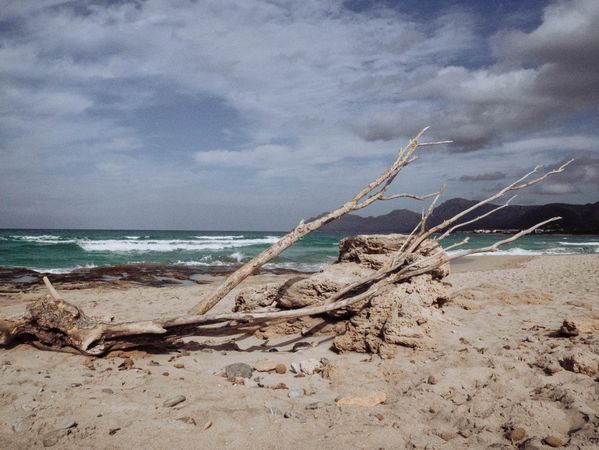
{"x": 320, "y": 91}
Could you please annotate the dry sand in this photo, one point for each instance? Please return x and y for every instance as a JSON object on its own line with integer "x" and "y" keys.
{"x": 495, "y": 375}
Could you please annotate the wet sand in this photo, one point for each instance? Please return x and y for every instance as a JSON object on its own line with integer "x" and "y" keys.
{"x": 495, "y": 373}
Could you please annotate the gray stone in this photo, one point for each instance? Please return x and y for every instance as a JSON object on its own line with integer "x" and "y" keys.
{"x": 239, "y": 370}
{"x": 173, "y": 401}
{"x": 296, "y": 367}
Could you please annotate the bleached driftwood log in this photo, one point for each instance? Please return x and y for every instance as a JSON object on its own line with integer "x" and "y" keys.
{"x": 58, "y": 325}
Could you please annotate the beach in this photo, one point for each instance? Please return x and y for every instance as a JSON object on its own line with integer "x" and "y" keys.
{"x": 495, "y": 372}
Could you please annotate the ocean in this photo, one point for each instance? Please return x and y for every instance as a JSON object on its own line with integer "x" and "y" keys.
{"x": 62, "y": 251}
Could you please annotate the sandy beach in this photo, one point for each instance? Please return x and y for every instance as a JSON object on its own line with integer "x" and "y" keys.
{"x": 495, "y": 374}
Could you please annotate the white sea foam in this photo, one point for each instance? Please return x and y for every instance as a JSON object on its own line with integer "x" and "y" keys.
{"x": 217, "y": 238}
{"x": 123, "y": 245}
{"x": 517, "y": 251}
{"x": 237, "y": 256}
{"x": 581, "y": 244}
{"x": 43, "y": 238}
{"x": 203, "y": 263}
{"x": 63, "y": 269}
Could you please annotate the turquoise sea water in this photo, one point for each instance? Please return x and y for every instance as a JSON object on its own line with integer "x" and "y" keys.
{"x": 65, "y": 250}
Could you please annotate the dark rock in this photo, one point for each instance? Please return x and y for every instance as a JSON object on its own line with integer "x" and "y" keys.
{"x": 239, "y": 370}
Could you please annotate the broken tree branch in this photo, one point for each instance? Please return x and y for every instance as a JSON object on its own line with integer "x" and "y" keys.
{"x": 56, "y": 324}
{"x": 382, "y": 182}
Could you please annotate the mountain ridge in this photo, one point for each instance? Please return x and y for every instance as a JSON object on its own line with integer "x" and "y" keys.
{"x": 576, "y": 218}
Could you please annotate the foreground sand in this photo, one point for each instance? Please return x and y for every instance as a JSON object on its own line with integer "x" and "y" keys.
{"x": 492, "y": 365}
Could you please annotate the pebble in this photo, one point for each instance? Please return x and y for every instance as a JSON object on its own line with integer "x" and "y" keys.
{"x": 108, "y": 391}
{"x": 309, "y": 366}
{"x": 265, "y": 365}
{"x": 300, "y": 346}
{"x": 447, "y": 435}
{"x": 431, "y": 380}
{"x": 295, "y": 393}
{"x": 517, "y": 434}
{"x": 280, "y": 368}
{"x": 295, "y": 367}
{"x": 179, "y": 366}
{"x": 238, "y": 370}
{"x": 170, "y": 402}
{"x": 553, "y": 441}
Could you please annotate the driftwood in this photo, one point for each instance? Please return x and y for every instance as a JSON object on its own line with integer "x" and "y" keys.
{"x": 55, "y": 324}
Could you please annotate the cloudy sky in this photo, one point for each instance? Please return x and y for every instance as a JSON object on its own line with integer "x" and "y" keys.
{"x": 237, "y": 114}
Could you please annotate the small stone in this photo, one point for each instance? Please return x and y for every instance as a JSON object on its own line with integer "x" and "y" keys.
{"x": 431, "y": 380}
{"x": 378, "y": 416}
{"x": 112, "y": 431}
{"x": 447, "y": 435}
{"x": 517, "y": 434}
{"x": 280, "y": 386}
{"x": 296, "y": 367}
{"x": 309, "y": 366}
{"x": 300, "y": 346}
{"x": 179, "y": 366}
{"x": 126, "y": 364}
{"x": 238, "y": 370}
{"x": 165, "y": 374}
{"x": 173, "y": 401}
{"x": 553, "y": 441}
{"x": 371, "y": 399}
{"x": 154, "y": 363}
{"x": 280, "y": 368}
{"x": 207, "y": 425}
{"x": 568, "y": 329}
{"x": 108, "y": 391}
{"x": 295, "y": 393}
{"x": 265, "y": 365}
{"x": 531, "y": 339}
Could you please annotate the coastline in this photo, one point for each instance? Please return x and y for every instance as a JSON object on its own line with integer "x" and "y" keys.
{"x": 495, "y": 359}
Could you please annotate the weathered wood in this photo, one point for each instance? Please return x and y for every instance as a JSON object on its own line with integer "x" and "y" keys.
{"x": 55, "y": 324}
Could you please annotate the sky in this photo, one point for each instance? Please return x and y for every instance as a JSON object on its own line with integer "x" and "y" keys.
{"x": 252, "y": 115}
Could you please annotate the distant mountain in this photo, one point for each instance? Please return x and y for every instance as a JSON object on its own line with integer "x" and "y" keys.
{"x": 576, "y": 219}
